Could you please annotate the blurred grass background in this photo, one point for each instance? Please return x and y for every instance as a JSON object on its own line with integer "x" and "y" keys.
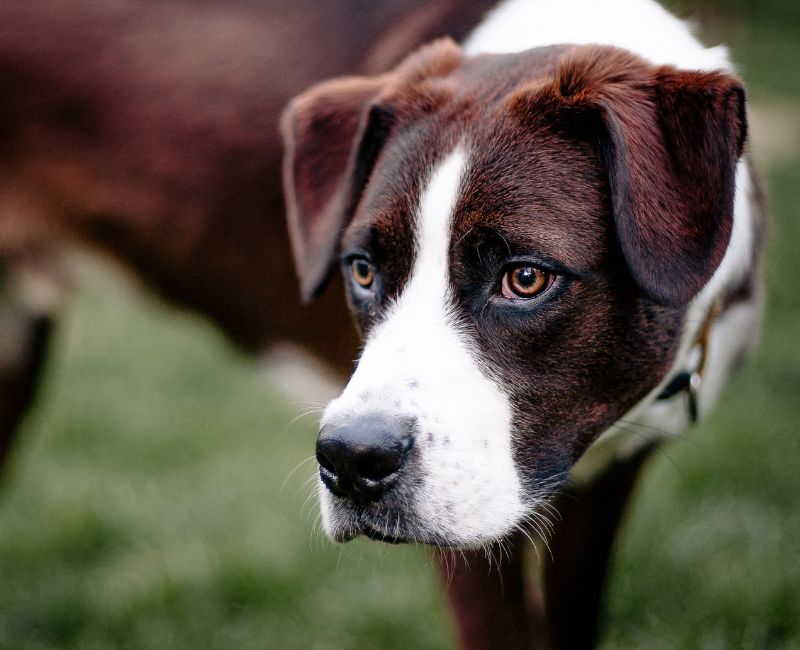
{"x": 153, "y": 500}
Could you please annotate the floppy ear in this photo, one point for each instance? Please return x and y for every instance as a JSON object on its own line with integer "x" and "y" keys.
{"x": 671, "y": 140}
{"x": 333, "y": 135}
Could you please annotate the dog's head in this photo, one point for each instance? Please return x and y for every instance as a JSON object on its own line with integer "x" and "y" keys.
{"x": 520, "y": 236}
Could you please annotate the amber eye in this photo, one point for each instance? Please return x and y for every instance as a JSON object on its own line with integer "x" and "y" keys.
{"x": 362, "y": 271}
{"x": 525, "y": 282}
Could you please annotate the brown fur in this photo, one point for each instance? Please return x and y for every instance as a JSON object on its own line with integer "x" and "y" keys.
{"x": 149, "y": 130}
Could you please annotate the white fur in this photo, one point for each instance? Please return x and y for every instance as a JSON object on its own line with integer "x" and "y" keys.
{"x": 735, "y": 265}
{"x": 418, "y": 363}
{"x": 738, "y": 260}
{"x": 641, "y": 26}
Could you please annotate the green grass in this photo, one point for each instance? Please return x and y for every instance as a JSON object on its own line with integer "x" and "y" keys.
{"x": 149, "y": 504}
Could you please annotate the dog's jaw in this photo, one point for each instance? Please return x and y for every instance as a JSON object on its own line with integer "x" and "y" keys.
{"x": 463, "y": 487}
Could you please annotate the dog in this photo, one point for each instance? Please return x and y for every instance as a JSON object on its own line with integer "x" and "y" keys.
{"x": 148, "y": 132}
{"x": 546, "y": 236}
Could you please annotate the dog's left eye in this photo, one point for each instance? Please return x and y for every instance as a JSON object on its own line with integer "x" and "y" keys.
{"x": 525, "y": 282}
{"x": 363, "y": 272}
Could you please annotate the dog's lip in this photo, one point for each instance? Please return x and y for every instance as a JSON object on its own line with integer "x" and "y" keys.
{"x": 377, "y": 536}
{"x": 362, "y": 525}
{"x": 371, "y": 531}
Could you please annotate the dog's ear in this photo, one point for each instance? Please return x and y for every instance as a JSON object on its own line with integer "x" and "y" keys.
{"x": 671, "y": 140}
{"x": 332, "y": 135}
{"x": 672, "y": 180}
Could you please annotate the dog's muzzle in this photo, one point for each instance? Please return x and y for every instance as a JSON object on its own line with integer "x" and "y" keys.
{"x": 361, "y": 458}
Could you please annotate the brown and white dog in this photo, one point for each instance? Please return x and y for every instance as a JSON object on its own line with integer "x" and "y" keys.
{"x": 541, "y": 234}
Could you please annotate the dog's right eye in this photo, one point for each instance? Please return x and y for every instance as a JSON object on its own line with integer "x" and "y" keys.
{"x": 525, "y": 281}
{"x": 363, "y": 272}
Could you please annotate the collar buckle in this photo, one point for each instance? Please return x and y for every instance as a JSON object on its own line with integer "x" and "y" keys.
{"x": 690, "y": 381}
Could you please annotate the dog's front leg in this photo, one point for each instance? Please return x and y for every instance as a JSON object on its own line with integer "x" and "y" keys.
{"x": 581, "y": 545}
{"x": 493, "y": 603}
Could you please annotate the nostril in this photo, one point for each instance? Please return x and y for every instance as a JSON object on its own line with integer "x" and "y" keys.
{"x": 380, "y": 462}
{"x": 325, "y": 462}
{"x": 378, "y": 466}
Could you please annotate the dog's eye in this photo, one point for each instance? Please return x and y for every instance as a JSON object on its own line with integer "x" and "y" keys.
{"x": 525, "y": 282}
{"x": 363, "y": 272}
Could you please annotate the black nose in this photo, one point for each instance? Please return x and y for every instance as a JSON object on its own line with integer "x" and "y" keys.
{"x": 361, "y": 458}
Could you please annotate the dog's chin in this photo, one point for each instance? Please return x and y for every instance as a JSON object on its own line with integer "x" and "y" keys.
{"x": 370, "y": 532}
{"x": 379, "y": 536}
{"x": 373, "y": 531}
{"x": 344, "y": 521}
{"x": 376, "y": 533}
{"x": 343, "y": 524}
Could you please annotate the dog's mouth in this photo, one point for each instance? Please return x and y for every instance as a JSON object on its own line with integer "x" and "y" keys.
{"x": 392, "y": 530}
{"x": 396, "y": 528}
{"x": 380, "y": 526}
{"x": 379, "y": 536}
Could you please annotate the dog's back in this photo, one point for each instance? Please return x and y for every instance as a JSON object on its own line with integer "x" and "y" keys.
{"x": 149, "y": 131}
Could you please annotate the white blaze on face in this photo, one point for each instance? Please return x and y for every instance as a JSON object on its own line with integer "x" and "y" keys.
{"x": 417, "y": 363}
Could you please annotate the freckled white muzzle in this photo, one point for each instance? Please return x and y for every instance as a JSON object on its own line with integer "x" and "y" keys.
{"x": 462, "y": 486}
